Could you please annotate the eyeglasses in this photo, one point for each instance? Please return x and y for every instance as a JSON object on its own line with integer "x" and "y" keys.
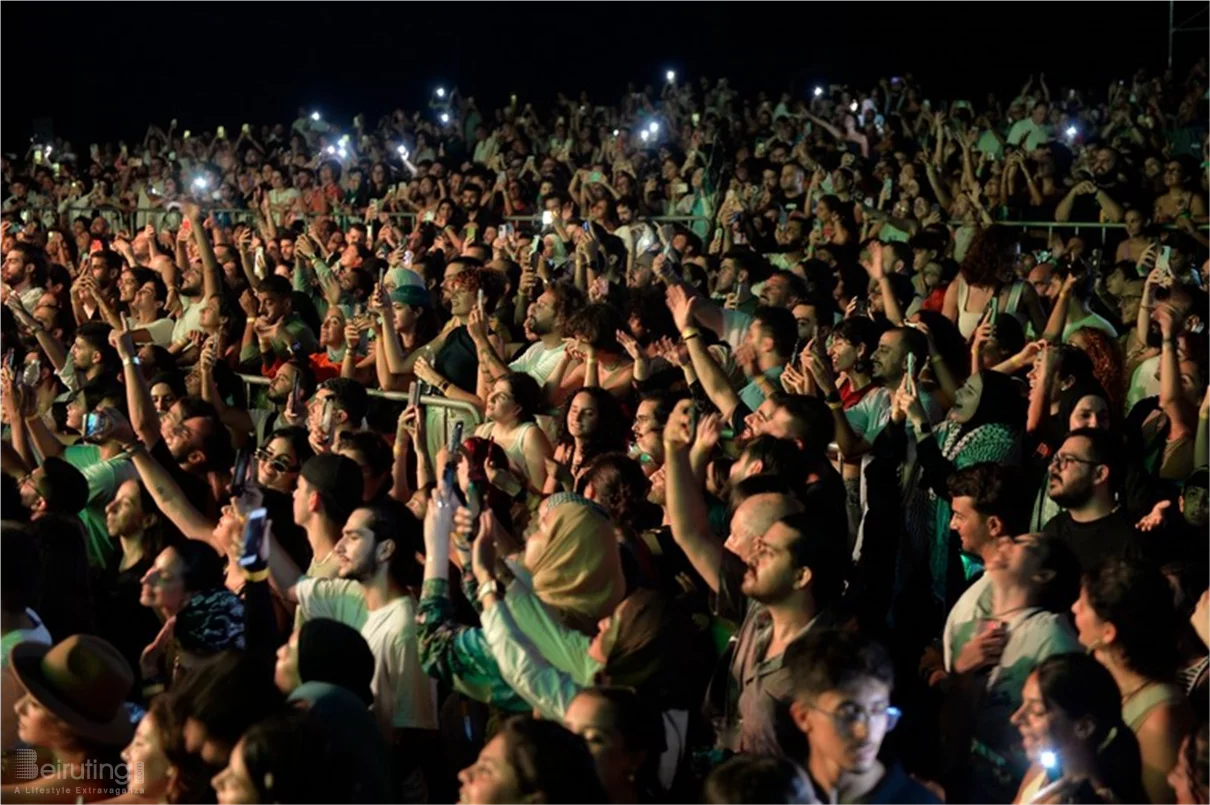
{"x": 1064, "y": 461}
{"x": 847, "y": 716}
{"x": 279, "y": 463}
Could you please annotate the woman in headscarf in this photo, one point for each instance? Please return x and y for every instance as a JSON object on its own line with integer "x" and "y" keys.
{"x": 985, "y": 424}
{"x": 646, "y": 645}
{"x": 572, "y": 564}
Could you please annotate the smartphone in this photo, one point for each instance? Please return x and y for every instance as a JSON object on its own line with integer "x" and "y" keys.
{"x": 993, "y": 311}
{"x": 246, "y": 128}
{"x": 596, "y": 177}
{"x": 911, "y": 365}
{"x": 452, "y": 447}
{"x": 96, "y": 246}
{"x": 254, "y": 536}
{"x": 31, "y": 373}
{"x": 187, "y": 224}
{"x": 382, "y": 275}
{"x": 239, "y": 476}
{"x": 782, "y": 218}
{"x": 742, "y": 290}
{"x": 548, "y": 218}
{"x": 429, "y": 216}
{"x": 680, "y": 188}
{"x": 414, "y": 395}
{"x": 325, "y": 419}
{"x": 587, "y": 226}
{"x": 479, "y": 299}
{"x": 136, "y": 162}
{"x": 506, "y": 230}
{"x": 1164, "y": 261}
{"x": 296, "y": 392}
{"x": 221, "y": 133}
{"x": 407, "y": 258}
{"x": 94, "y": 425}
{"x": 888, "y": 184}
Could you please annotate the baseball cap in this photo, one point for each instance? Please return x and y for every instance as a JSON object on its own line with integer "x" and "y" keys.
{"x": 1199, "y": 478}
{"x": 338, "y": 481}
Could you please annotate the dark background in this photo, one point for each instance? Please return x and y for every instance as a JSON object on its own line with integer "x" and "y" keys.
{"x": 98, "y": 72}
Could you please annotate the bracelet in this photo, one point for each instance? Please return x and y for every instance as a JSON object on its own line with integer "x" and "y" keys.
{"x": 690, "y": 332}
{"x": 256, "y": 575}
{"x": 133, "y": 360}
{"x": 836, "y": 406}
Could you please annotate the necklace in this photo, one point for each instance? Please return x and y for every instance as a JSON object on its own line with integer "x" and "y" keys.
{"x": 1128, "y": 696}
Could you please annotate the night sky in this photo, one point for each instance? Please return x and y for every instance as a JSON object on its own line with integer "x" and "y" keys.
{"x": 103, "y": 71}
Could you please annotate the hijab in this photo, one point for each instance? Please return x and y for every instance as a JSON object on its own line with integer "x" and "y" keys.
{"x": 579, "y": 572}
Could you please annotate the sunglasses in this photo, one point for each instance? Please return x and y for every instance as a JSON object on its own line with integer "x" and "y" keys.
{"x": 279, "y": 463}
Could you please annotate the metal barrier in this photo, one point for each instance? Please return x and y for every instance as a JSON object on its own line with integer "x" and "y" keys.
{"x": 466, "y": 408}
{"x": 1076, "y": 226}
{"x": 49, "y": 216}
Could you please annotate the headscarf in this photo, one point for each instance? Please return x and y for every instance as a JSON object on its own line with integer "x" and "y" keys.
{"x": 211, "y": 622}
{"x": 580, "y": 571}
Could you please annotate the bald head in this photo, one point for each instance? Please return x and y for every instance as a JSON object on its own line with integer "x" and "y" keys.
{"x": 754, "y": 516}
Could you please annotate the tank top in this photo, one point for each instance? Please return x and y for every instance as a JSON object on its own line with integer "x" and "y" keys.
{"x": 1139, "y": 706}
{"x": 514, "y": 451}
{"x": 968, "y": 321}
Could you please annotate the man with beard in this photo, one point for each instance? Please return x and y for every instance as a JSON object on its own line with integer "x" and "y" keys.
{"x": 545, "y": 325}
{"x": 25, "y": 274}
{"x": 1085, "y": 473}
{"x": 376, "y": 568}
{"x": 267, "y": 420}
{"x": 778, "y": 572}
{"x": 198, "y": 283}
{"x": 480, "y": 226}
{"x": 1092, "y": 199}
{"x": 277, "y": 327}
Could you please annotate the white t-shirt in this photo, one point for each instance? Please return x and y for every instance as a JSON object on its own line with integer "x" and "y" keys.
{"x": 538, "y": 361}
{"x": 189, "y": 320}
{"x": 1029, "y": 131}
{"x": 161, "y": 330}
{"x": 1144, "y": 383}
{"x": 404, "y": 695}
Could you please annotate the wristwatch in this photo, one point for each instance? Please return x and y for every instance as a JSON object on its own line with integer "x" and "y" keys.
{"x": 133, "y": 360}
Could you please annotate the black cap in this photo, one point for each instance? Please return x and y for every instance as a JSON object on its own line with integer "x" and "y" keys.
{"x": 338, "y": 481}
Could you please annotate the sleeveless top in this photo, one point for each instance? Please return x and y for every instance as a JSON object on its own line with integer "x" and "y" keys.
{"x": 514, "y": 451}
{"x": 968, "y": 321}
{"x": 1139, "y": 706}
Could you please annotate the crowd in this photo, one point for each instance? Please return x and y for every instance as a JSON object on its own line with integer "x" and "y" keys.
{"x": 705, "y": 446}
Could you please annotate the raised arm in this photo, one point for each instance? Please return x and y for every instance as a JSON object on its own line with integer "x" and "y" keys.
{"x": 211, "y": 274}
{"x": 1172, "y": 397}
{"x": 714, "y": 381}
{"x": 685, "y": 504}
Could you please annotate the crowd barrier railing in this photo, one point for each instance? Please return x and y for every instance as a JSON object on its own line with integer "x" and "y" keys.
{"x": 129, "y": 220}
{"x": 1076, "y": 226}
{"x": 465, "y": 408}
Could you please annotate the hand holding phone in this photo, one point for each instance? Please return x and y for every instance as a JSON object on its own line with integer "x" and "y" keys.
{"x": 255, "y": 549}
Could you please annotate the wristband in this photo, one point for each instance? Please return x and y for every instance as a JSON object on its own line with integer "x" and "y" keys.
{"x": 690, "y": 332}
{"x": 256, "y": 575}
{"x": 133, "y": 360}
{"x": 832, "y": 397}
{"x": 493, "y": 587}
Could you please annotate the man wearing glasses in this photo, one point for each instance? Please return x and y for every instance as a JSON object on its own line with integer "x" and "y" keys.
{"x": 1085, "y": 474}
{"x": 842, "y": 704}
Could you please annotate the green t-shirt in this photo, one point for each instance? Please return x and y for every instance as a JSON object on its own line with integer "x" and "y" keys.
{"x": 104, "y": 478}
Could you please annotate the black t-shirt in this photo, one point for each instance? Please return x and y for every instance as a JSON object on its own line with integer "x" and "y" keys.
{"x": 458, "y": 360}
{"x": 1113, "y": 536}
{"x": 121, "y": 619}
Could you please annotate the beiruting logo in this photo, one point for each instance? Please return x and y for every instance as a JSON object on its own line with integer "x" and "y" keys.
{"x": 23, "y": 765}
